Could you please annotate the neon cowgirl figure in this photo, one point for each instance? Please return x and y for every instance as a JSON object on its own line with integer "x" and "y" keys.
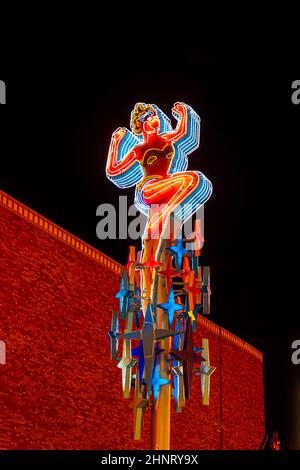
{"x": 154, "y": 158}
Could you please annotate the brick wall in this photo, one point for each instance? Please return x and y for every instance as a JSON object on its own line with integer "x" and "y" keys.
{"x": 59, "y": 388}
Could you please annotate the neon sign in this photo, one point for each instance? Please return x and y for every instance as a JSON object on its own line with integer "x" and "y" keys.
{"x": 153, "y": 157}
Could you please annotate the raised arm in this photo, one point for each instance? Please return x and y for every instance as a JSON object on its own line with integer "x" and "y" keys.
{"x": 122, "y": 166}
{"x": 186, "y": 136}
{"x": 180, "y": 112}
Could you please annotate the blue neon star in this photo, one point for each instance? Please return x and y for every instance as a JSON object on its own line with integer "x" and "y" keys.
{"x": 179, "y": 251}
{"x": 158, "y": 382}
{"x": 171, "y": 307}
{"x": 123, "y": 294}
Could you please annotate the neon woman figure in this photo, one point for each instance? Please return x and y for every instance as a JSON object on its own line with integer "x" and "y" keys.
{"x": 154, "y": 158}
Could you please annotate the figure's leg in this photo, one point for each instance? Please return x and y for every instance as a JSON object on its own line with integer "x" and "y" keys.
{"x": 164, "y": 197}
{"x": 181, "y": 193}
{"x": 149, "y": 246}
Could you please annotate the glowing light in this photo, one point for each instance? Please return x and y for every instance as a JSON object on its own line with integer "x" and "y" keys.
{"x": 158, "y": 382}
{"x": 171, "y": 306}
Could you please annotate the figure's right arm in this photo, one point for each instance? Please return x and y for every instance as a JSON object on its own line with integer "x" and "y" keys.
{"x": 123, "y": 167}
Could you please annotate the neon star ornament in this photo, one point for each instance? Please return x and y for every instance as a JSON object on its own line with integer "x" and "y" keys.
{"x": 151, "y": 264}
{"x": 168, "y": 273}
{"x": 171, "y": 306}
{"x": 113, "y": 335}
{"x": 189, "y": 357}
{"x": 123, "y": 294}
{"x": 179, "y": 251}
{"x": 126, "y": 364}
{"x": 158, "y": 382}
{"x": 205, "y": 372}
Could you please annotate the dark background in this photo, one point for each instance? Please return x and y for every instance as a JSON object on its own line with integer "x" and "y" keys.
{"x": 64, "y": 100}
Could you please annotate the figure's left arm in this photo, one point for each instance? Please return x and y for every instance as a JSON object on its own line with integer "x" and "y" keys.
{"x": 187, "y": 129}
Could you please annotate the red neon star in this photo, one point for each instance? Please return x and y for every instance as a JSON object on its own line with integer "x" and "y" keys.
{"x": 151, "y": 263}
{"x": 168, "y": 273}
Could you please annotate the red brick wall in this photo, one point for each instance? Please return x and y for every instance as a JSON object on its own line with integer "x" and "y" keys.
{"x": 59, "y": 388}
{"x": 242, "y": 398}
{"x": 200, "y": 423}
{"x": 235, "y": 418}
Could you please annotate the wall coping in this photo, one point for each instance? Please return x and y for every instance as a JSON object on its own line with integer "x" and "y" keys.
{"x": 219, "y": 331}
{"x": 64, "y": 236}
{"x": 56, "y": 231}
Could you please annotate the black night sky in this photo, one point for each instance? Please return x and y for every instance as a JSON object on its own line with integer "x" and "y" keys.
{"x": 54, "y": 136}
